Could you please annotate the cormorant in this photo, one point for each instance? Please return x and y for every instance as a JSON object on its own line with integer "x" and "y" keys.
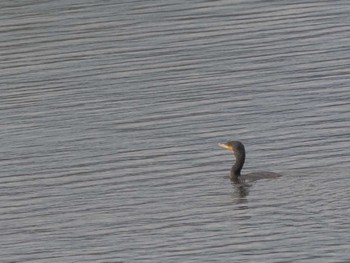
{"x": 239, "y": 152}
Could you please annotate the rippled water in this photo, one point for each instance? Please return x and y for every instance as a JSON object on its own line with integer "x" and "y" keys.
{"x": 111, "y": 113}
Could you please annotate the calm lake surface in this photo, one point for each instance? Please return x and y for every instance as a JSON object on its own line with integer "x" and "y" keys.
{"x": 110, "y": 115}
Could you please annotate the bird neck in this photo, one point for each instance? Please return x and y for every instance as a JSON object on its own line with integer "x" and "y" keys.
{"x": 237, "y": 167}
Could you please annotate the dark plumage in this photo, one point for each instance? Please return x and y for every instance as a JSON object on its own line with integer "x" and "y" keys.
{"x": 239, "y": 152}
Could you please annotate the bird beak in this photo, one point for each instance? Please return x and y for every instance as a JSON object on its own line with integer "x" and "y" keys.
{"x": 223, "y": 145}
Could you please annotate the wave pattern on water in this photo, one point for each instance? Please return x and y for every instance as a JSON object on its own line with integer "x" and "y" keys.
{"x": 111, "y": 113}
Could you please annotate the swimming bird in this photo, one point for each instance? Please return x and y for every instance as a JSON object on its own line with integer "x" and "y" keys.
{"x": 239, "y": 152}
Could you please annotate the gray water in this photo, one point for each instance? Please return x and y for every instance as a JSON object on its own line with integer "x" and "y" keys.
{"x": 111, "y": 112}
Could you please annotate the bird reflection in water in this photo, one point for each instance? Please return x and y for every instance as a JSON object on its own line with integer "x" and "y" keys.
{"x": 241, "y": 192}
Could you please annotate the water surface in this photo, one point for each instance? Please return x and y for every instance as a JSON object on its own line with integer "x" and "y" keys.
{"x": 111, "y": 114}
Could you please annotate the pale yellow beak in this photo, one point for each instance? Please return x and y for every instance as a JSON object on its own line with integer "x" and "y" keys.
{"x": 223, "y": 145}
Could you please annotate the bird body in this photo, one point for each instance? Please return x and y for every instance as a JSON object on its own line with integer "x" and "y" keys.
{"x": 239, "y": 152}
